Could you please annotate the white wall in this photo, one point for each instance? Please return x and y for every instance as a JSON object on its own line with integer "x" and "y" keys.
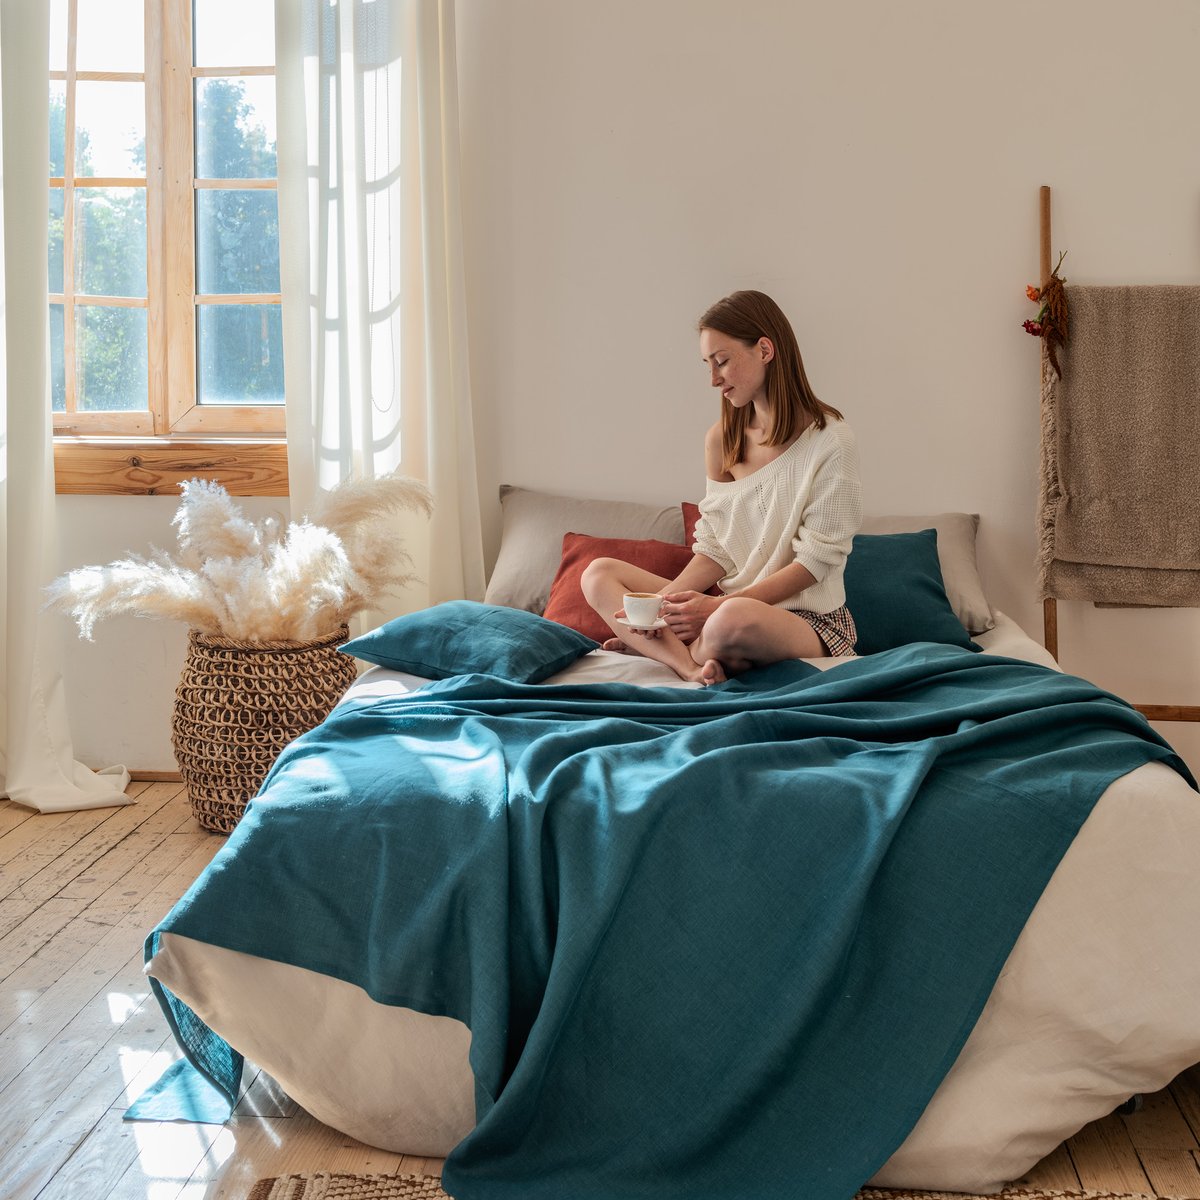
{"x": 120, "y": 686}
{"x": 873, "y": 166}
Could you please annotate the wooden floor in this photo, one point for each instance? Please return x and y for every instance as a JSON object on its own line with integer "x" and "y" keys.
{"x": 81, "y": 1036}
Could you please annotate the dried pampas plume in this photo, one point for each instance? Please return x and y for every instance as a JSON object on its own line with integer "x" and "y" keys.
{"x": 256, "y": 580}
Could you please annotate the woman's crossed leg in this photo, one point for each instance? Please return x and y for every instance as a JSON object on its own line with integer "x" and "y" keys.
{"x": 740, "y": 634}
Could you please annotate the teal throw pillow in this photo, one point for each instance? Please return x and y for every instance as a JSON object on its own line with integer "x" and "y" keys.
{"x": 462, "y": 637}
{"x": 895, "y": 593}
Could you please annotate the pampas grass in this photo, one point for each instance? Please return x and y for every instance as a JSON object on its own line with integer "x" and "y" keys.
{"x": 256, "y": 580}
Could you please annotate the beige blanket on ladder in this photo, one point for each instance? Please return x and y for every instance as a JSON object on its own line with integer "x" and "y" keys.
{"x": 1119, "y": 515}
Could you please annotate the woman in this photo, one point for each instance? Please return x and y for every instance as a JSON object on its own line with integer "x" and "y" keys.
{"x": 781, "y": 507}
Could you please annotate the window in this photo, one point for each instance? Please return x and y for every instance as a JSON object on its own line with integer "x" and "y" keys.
{"x": 165, "y": 318}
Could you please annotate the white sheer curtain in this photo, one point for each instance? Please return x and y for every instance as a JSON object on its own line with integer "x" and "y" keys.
{"x": 374, "y": 322}
{"x": 36, "y": 756}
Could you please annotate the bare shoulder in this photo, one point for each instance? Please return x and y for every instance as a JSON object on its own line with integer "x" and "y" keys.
{"x": 714, "y": 454}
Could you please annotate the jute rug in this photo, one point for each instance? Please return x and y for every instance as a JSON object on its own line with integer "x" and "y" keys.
{"x": 324, "y": 1186}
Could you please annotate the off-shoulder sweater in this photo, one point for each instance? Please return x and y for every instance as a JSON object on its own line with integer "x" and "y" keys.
{"x": 804, "y": 506}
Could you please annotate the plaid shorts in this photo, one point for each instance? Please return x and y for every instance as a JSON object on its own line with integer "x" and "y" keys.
{"x": 835, "y": 629}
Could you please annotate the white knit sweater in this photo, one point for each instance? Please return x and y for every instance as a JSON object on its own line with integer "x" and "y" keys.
{"x": 805, "y": 507}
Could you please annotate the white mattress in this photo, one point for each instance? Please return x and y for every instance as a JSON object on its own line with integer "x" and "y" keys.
{"x": 1096, "y": 1002}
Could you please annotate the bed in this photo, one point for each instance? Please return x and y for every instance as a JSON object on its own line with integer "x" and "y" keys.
{"x": 998, "y": 989}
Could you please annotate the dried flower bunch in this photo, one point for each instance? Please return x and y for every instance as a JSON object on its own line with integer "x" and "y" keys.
{"x": 258, "y": 580}
{"x": 1051, "y": 322}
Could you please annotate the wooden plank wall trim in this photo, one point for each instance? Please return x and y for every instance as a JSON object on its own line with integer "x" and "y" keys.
{"x": 1169, "y": 712}
{"x": 156, "y": 467}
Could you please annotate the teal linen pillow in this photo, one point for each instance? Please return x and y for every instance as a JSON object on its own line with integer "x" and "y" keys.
{"x": 462, "y": 637}
{"x": 895, "y": 593}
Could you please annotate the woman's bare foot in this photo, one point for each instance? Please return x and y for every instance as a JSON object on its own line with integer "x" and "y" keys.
{"x": 616, "y": 645}
{"x": 712, "y": 672}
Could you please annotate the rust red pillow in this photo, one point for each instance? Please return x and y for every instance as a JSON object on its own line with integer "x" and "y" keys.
{"x": 567, "y": 605}
{"x": 691, "y": 514}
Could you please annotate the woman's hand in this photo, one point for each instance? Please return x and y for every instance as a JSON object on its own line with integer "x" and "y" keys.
{"x": 686, "y": 612}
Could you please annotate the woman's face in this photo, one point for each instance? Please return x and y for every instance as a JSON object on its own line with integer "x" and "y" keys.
{"x": 738, "y": 370}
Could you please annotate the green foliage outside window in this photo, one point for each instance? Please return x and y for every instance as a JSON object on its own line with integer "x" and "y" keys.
{"x": 239, "y": 355}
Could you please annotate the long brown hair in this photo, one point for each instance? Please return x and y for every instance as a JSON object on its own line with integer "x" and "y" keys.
{"x": 748, "y": 316}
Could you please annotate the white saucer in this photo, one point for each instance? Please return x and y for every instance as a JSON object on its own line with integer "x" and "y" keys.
{"x": 659, "y": 624}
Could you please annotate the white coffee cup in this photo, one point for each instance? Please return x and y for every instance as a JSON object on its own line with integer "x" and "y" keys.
{"x": 642, "y": 608}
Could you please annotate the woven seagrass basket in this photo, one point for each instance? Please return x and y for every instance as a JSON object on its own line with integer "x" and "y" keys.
{"x": 238, "y": 704}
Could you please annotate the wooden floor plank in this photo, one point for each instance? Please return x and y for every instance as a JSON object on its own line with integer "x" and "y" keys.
{"x": 70, "y": 1073}
{"x": 32, "y": 926}
{"x": 1160, "y": 1125}
{"x": 41, "y": 839}
{"x": 97, "y": 1164}
{"x": 12, "y": 815}
{"x": 168, "y": 1156}
{"x": 20, "y": 835}
{"x": 79, "y": 952}
{"x": 1185, "y": 1089}
{"x": 1104, "y": 1157}
{"x": 24, "y": 831}
{"x": 264, "y": 1097}
{"x": 355, "y": 1158}
{"x": 1055, "y": 1173}
{"x": 52, "y": 1116}
{"x": 13, "y": 910}
{"x": 110, "y": 874}
{"x": 161, "y": 810}
{"x": 202, "y": 1183}
{"x": 1172, "y": 1172}
{"x": 93, "y": 845}
{"x": 104, "y": 969}
{"x": 267, "y": 1146}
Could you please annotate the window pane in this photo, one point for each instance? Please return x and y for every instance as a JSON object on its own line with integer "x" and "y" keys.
{"x": 58, "y": 377}
{"x": 55, "y": 275}
{"x": 111, "y": 35}
{"x": 237, "y": 241}
{"x": 110, "y": 359}
{"x": 234, "y": 33}
{"x": 58, "y": 128}
{"x": 58, "y": 35}
{"x": 110, "y": 241}
{"x": 235, "y": 127}
{"x": 240, "y": 359}
{"x": 110, "y": 129}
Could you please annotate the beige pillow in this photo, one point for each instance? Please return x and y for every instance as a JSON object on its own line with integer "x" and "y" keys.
{"x": 956, "y": 556}
{"x": 532, "y": 533}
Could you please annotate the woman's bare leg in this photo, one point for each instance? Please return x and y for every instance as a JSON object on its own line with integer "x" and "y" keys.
{"x": 745, "y": 633}
{"x": 741, "y": 634}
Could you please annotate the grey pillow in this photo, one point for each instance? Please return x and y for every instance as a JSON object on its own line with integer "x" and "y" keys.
{"x": 956, "y": 556}
{"x": 532, "y": 533}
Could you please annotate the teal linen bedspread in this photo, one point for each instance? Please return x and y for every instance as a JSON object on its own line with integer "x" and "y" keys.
{"x": 720, "y": 943}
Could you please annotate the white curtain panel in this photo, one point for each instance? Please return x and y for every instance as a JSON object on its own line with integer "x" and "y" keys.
{"x": 36, "y": 756}
{"x": 374, "y": 320}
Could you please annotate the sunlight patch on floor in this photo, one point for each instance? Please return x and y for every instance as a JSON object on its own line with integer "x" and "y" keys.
{"x": 122, "y": 1006}
{"x": 171, "y": 1153}
{"x": 140, "y": 1068}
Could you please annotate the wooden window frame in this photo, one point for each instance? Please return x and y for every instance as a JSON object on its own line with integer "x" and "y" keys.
{"x": 150, "y": 452}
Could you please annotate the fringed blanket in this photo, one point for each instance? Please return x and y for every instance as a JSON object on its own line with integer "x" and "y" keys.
{"x": 720, "y": 943}
{"x": 1120, "y": 506}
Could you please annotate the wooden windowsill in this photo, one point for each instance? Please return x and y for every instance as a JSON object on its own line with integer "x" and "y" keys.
{"x": 122, "y": 466}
